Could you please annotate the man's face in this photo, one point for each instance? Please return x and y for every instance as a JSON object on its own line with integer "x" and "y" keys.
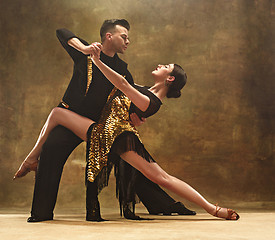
{"x": 120, "y": 39}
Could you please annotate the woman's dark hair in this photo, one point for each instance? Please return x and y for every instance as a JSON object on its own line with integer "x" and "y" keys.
{"x": 178, "y": 83}
{"x": 110, "y": 24}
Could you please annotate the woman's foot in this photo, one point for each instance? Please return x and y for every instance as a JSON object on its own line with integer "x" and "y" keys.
{"x": 225, "y": 213}
{"x": 27, "y": 166}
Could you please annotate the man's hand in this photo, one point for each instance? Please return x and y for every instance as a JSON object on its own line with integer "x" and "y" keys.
{"x": 136, "y": 121}
{"x": 91, "y": 49}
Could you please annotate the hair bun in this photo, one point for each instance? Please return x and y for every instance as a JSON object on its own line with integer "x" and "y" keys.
{"x": 178, "y": 83}
{"x": 173, "y": 94}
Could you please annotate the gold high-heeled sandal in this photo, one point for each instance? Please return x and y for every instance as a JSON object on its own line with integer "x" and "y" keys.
{"x": 230, "y": 212}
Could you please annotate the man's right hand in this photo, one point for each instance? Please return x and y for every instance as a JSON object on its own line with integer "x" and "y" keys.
{"x": 87, "y": 50}
{"x": 135, "y": 120}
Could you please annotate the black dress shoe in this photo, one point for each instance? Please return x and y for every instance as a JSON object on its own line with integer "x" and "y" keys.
{"x": 128, "y": 214}
{"x": 177, "y": 208}
{"x": 93, "y": 212}
{"x": 35, "y": 218}
{"x": 94, "y": 218}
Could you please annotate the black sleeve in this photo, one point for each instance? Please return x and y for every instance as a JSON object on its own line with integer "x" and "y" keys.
{"x": 153, "y": 107}
{"x": 64, "y": 36}
{"x": 129, "y": 78}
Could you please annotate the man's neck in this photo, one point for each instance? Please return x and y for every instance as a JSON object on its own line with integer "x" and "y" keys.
{"x": 107, "y": 51}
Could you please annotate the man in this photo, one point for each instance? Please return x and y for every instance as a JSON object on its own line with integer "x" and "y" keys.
{"x": 86, "y": 95}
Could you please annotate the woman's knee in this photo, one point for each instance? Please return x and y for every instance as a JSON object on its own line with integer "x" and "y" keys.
{"x": 56, "y": 111}
{"x": 55, "y": 114}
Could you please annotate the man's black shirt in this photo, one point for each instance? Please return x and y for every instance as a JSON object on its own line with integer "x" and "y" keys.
{"x": 91, "y": 104}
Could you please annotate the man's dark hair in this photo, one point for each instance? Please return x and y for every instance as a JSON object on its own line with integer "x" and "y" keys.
{"x": 110, "y": 24}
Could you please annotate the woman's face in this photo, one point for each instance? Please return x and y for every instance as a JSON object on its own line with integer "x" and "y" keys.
{"x": 163, "y": 71}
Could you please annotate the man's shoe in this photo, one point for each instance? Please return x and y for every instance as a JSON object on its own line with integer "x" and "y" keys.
{"x": 128, "y": 214}
{"x": 94, "y": 218}
{"x": 93, "y": 212}
{"x": 34, "y": 218}
{"x": 177, "y": 208}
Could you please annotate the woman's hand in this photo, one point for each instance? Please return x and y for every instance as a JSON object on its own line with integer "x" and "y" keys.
{"x": 94, "y": 50}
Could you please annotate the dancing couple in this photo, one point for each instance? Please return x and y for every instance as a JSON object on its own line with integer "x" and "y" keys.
{"x": 108, "y": 128}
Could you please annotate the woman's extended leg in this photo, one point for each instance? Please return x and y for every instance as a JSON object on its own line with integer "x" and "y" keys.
{"x": 58, "y": 116}
{"x": 156, "y": 174}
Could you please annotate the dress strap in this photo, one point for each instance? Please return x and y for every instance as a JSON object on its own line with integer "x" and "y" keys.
{"x": 89, "y": 73}
{"x": 114, "y": 93}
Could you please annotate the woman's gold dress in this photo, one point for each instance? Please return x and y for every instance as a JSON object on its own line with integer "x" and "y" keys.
{"x": 113, "y": 135}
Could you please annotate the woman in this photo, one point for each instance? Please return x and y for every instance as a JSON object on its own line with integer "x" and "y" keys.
{"x": 114, "y": 135}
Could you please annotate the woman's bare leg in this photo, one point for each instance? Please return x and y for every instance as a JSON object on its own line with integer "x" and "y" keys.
{"x": 78, "y": 124}
{"x": 156, "y": 174}
{"x": 59, "y": 116}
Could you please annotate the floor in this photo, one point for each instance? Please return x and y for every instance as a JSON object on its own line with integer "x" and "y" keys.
{"x": 252, "y": 225}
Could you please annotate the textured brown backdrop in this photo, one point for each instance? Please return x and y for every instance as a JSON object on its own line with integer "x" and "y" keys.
{"x": 219, "y": 136}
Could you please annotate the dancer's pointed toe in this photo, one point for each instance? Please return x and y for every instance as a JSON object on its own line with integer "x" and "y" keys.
{"x": 25, "y": 168}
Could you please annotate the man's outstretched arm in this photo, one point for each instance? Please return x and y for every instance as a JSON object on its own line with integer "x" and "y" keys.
{"x": 78, "y": 45}
{"x": 64, "y": 36}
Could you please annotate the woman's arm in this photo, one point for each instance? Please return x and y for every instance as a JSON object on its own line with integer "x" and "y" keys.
{"x": 139, "y": 99}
